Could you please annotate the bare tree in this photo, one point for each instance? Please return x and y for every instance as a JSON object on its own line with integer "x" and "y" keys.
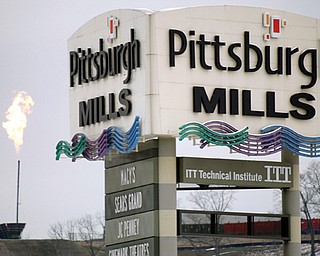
{"x": 71, "y": 229}
{"x": 88, "y": 228}
{"x": 305, "y": 210}
{"x": 57, "y": 231}
{"x": 310, "y": 197}
{"x": 88, "y": 232}
{"x": 212, "y": 200}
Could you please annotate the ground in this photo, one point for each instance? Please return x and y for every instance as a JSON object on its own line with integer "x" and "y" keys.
{"x": 41, "y": 248}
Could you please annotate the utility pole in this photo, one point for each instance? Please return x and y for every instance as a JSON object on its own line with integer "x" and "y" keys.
{"x": 18, "y": 188}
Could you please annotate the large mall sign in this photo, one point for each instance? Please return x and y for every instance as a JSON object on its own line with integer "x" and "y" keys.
{"x": 241, "y": 77}
{"x": 247, "y": 66}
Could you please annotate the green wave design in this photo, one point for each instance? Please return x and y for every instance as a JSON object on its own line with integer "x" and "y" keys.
{"x": 219, "y": 139}
{"x": 64, "y": 147}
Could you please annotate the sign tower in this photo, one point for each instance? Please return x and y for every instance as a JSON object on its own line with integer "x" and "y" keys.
{"x": 240, "y": 77}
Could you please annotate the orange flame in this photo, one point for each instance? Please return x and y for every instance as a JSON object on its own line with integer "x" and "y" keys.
{"x": 17, "y": 118}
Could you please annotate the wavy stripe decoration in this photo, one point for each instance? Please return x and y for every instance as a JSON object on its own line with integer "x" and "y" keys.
{"x": 209, "y": 135}
{"x": 297, "y": 143}
{"x": 111, "y": 138}
{"x": 271, "y": 140}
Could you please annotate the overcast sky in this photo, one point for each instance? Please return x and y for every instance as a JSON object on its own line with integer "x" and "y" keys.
{"x": 34, "y": 58}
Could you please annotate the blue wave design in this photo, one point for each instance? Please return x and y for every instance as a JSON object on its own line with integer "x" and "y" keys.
{"x": 123, "y": 142}
{"x": 111, "y": 138}
{"x": 306, "y": 146}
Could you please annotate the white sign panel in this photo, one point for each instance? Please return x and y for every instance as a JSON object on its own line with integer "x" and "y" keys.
{"x": 246, "y": 66}
{"x": 212, "y": 63}
{"x": 109, "y": 74}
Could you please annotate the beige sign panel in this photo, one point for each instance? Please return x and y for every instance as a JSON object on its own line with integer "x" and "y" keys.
{"x": 109, "y": 73}
{"x": 238, "y": 173}
{"x": 243, "y": 65}
{"x": 227, "y": 55}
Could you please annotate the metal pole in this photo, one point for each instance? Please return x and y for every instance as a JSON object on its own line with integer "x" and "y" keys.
{"x": 18, "y": 188}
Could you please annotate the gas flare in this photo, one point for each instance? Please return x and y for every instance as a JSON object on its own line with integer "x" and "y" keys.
{"x": 17, "y": 118}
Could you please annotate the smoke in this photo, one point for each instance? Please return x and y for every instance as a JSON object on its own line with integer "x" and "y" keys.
{"x": 16, "y": 116}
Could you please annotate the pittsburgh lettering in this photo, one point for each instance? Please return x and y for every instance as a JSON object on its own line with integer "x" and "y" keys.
{"x": 179, "y": 44}
{"x": 217, "y": 45}
{"x": 89, "y": 66}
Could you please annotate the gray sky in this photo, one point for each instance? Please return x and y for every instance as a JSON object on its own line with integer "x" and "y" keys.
{"x": 34, "y": 58}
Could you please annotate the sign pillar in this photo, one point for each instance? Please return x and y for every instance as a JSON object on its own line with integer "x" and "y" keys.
{"x": 132, "y": 202}
{"x": 167, "y": 197}
{"x": 291, "y": 206}
{"x": 140, "y": 201}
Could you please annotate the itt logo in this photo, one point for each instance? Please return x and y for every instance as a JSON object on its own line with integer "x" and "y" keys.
{"x": 278, "y": 174}
{"x": 274, "y": 23}
{"x": 112, "y": 26}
